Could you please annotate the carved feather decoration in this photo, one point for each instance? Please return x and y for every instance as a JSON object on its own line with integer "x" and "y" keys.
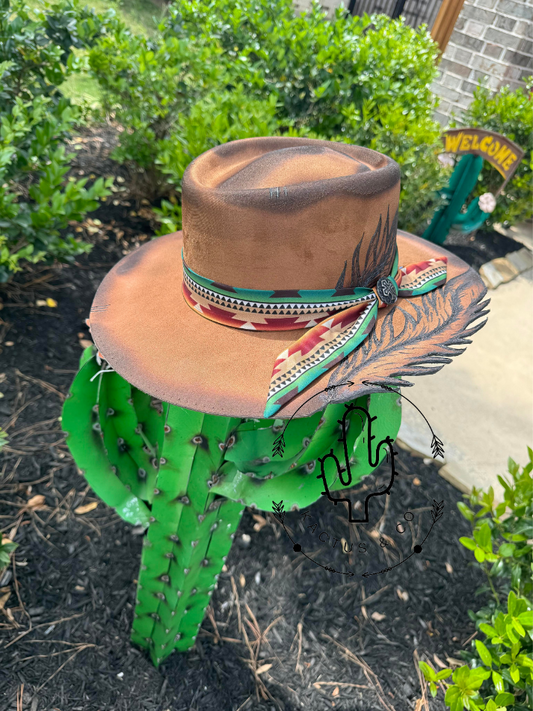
{"x": 378, "y": 259}
{"x": 417, "y": 336}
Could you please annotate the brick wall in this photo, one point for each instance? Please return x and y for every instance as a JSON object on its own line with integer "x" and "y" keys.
{"x": 492, "y": 38}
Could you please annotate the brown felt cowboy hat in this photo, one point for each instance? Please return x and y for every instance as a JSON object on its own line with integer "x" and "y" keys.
{"x": 289, "y": 277}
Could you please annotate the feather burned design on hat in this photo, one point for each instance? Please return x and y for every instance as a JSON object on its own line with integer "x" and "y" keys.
{"x": 379, "y": 256}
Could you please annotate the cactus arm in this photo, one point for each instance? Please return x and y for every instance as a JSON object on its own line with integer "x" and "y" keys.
{"x": 80, "y": 423}
{"x": 250, "y": 445}
{"x": 462, "y": 182}
{"x": 228, "y": 517}
{"x": 122, "y": 436}
{"x": 299, "y": 487}
{"x": 112, "y": 405}
{"x": 472, "y": 219}
{"x": 159, "y": 548}
{"x": 329, "y": 431}
{"x": 179, "y": 536}
{"x": 86, "y": 355}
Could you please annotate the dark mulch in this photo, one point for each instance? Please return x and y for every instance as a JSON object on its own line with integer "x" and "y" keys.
{"x": 480, "y": 248}
{"x": 64, "y": 633}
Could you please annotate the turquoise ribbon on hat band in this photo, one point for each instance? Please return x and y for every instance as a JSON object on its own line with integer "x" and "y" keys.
{"x": 337, "y": 320}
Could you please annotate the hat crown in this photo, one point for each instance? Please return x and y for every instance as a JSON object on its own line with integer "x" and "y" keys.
{"x": 293, "y": 166}
{"x": 290, "y": 213}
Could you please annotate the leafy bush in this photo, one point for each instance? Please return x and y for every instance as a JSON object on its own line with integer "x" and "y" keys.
{"x": 36, "y": 52}
{"x": 150, "y": 85}
{"x": 314, "y": 65}
{"x": 35, "y": 201}
{"x": 502, "y": 674}
{"x": 364, "y": 80}
{"x": 502, "y": 533}
{"x": 500, "y": 669}
{"x": 511, "y": 114}
{"x": 6, "y": 546}
{"x": 361, "y": 80}
{"x": 168, "y": 96}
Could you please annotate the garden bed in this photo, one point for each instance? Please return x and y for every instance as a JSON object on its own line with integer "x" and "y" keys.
{"x": 482, "y": 247}
{"x": 333, "y": 642}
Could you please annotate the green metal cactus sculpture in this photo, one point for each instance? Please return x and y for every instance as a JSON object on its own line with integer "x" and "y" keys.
{"x": 186, "y": 477}
{"x": 462, "y": 182}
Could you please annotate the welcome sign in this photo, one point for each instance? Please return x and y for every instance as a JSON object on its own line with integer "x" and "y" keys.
{"x": 502, "y": 153}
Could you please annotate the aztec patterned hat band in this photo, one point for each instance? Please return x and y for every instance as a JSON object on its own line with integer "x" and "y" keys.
{"x": 338, "y": 320}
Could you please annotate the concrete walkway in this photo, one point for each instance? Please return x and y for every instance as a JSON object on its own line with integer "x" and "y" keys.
{"x": 481, "y": 404}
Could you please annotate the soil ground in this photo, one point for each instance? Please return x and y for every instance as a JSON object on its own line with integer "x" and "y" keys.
{"x": 480, "y": 248}
{"x": 67, "y": 601}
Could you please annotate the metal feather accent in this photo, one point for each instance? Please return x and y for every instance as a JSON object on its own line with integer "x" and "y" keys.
{"x": 423, "y": 339}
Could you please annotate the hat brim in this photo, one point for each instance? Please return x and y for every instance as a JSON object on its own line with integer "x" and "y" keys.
{"x": 148, "y": 334}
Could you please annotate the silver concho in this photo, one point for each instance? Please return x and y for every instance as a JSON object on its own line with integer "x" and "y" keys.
{"x": 386, "y": 290}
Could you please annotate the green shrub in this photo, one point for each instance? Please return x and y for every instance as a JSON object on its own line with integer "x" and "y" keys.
{"x": 35, "y": 201}
{"x": 149, "y": 86}
{"x": 362, "y": 80}
{"x": 36, "y": 49}
{"x": 314, "y": 65}
{"x": 500, "y": 670}
{"x": 511, "y": 114}
{"x": 414, "y": 143}
{"x": 503, "y": 533}
{"x": 218, "y": 118}
{"x": 170, "y": 96}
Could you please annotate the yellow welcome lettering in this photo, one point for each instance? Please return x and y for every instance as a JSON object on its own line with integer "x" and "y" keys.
{"x": 510, "y": 160}
{"x": 452, "y": 143}
{"x": 485, "y": 143}
{"x": 494, "y": 148}
{"x": 502, "y": 154}
{"x": 475, "y": 143}
{"x": 465, "y": 143}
